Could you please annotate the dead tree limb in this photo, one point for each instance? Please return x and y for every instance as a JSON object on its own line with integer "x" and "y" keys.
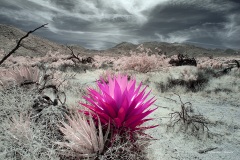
{"x": 196, "y": 123}
{"x": 19, "y": 43}
{"x": 74, "y": 57}
{"x": 207, "y": 150}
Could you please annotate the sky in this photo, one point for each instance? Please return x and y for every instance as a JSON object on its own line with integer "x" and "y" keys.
{"x": 101, "y": 24}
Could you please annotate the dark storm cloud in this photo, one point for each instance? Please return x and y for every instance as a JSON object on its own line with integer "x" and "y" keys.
{"x": 181, "y": 23}
{"x": 207, "y": 24}
{"x": 100, "y": 24}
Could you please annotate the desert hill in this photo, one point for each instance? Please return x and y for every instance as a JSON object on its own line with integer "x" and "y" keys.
{"x": 32, "y": 45}
{"x": 174, "y": 48}
{"x": 37, "y": 46}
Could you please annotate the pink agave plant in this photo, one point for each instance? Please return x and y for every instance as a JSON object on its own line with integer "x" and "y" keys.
{"x": 121, "y": 103}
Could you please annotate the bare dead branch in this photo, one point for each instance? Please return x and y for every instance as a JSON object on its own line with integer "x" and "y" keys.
{"x": 76, "y": 59}
{"x": 19, "y": 43}
{"x": 73, "y": 56}
{"x": 207, "y": 150}
{"x": 188, "y": 119}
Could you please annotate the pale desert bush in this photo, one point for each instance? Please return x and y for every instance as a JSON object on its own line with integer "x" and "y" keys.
{"x": 141, "y": 62}
{"x": 103, "y": 60}
{"x": 185, "y": 73}
{"x": 14, "y": 61}
{"x": 51, "y": 56}
{"x": 215, "y": 63}
{"x": 51, "y": 59}
{"x": 55, "y": 60}
{"x": 23, "y": 76}
{"x": 143, "y": 49}
{"x": 19, "y": 76}
{"x": 60, "y": 63}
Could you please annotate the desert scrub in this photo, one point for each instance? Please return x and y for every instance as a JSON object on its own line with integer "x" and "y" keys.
{"x": 19, "y": 76}
{"x": 79, "y": 68}
{"x": 188, "y": 77}
{"x": 15, "y": 100}
{"x": 225, "y": 83}
{"x": 141, "y": 62}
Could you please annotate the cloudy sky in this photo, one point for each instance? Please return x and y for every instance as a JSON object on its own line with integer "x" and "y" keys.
{"x": 100, "y": 24}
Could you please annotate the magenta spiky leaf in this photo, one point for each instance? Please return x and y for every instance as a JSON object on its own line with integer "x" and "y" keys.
{"x": 120, "y": 102}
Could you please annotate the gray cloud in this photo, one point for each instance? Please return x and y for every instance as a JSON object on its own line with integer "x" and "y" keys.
{"x": 100, "y": 24}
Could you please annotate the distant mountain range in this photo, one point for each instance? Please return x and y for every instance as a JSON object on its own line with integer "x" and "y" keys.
{"x": 37, "y": 46}
{"x": 174, "y": 48}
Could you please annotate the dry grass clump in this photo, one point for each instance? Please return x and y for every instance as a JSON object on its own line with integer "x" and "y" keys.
{"x": 15, "y": 100}
{"x": 19, "y": 128}
{"x": 83, "y": 139}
